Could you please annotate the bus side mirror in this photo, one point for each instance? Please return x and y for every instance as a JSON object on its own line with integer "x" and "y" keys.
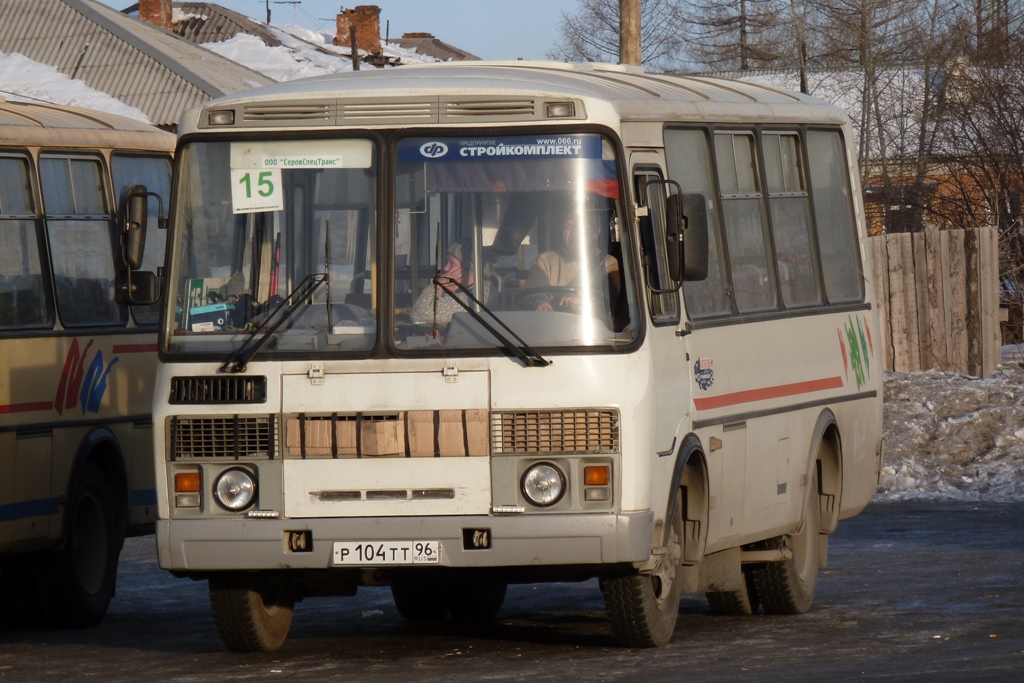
{"x": 687, "y": 236}
{"x": 133, "y": 228}
{"x": 695, "y": 237}
{"x": 137, "y": 287}
{"x": 134, "y": 286}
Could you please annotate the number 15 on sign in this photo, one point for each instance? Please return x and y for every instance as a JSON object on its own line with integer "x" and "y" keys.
{"x": 256, "y": 189}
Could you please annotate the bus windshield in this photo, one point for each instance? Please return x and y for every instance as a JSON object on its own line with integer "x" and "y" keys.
{"x": 490, "y": 239}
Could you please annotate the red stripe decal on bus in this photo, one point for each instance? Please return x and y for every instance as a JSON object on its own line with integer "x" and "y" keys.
{"x": 766, "y": 393}
{"x": 134, "y": 348}
{"x": 25, "y": 407}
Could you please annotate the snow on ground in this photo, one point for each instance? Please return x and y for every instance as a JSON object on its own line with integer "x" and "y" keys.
{"x": 954, "y": 436}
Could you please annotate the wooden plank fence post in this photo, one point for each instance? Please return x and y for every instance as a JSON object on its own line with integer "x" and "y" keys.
{"x": 991, "y": 336}
{"x": 880, "y": 275}
{"x": 956, "y": 300}
{"x": 937, "y": 351}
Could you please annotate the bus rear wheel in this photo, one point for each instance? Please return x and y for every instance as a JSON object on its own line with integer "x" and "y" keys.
{"x": 643, "y": 608}
{"x": 787, "y": 587}
{"x": 250, "y": 617}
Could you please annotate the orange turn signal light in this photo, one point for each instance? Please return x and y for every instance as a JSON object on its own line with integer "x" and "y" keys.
{"x": 596, "y": 475}
{"x": 187, "y": 482}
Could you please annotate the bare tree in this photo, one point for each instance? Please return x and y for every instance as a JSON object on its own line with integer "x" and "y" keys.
{"x": 738, "y": 34}
{"x": 592, "y": 34}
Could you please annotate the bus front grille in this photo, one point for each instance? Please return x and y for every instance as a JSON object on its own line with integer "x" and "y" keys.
{"x": 238, "y": 437}
{"x": 555, "y": 431}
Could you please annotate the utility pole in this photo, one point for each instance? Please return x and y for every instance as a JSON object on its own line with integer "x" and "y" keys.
{"x": 629, "y": 32}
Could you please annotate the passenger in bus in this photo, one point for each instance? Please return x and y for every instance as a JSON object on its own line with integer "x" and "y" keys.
{"x": 562, "y": 267}
{"x": 436, "y": 307}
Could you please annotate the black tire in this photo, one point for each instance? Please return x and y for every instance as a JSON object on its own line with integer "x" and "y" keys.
{"x": 249, "y": 616}
{"x": 739, "y": 603}
{"x": 476, "y": 600}
{"x": 420, "y": 600}
{"x": 787, "y": 587}
{"x": 75, "y": 584}
{"x": 643, "y": 608}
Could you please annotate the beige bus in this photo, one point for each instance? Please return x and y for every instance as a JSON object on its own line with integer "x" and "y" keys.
{"x": 450, "y": 327}
{"x": 76, "y": 466}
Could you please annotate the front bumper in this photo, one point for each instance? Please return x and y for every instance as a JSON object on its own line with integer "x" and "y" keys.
{"x": 202, "y": 545}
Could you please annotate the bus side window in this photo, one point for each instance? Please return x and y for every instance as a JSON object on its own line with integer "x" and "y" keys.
{"x": 155, "y": 173}
{"x": 24, "y": 301}
{"x": 689, "y": 163}
{"x": 790, "y": 211}
{"x": 746, "y": 226}
{"x": 833, "y": 214}
{"x": 80, "y": 226}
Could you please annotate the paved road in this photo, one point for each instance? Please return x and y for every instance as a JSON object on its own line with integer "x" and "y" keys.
{"x": 914, "y": 591}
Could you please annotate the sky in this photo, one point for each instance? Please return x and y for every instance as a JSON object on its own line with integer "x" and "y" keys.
{"x": 489, "y": 29}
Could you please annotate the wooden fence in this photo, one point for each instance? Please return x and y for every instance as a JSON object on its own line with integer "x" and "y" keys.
{"x": 938, "y": 294}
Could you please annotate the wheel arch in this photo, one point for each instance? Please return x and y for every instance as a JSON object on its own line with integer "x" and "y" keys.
{"x": 827, "y": 457}
{"x": 690, "y": 480}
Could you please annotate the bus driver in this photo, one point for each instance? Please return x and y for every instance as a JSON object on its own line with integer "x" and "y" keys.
{"x": 578, "y": 253}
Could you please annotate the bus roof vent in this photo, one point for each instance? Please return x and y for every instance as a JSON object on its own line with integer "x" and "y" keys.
{"x": 292, "y": 113}
{"x": 369, "y": 112}
{"x": 512, "y": 110}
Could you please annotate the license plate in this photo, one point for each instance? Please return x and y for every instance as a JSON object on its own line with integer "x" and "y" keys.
{"x": 386, "y": 552}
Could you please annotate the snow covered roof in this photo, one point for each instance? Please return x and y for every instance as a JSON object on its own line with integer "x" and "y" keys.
{"x": 84, "y": 53}
{"x": 136, "y": 63}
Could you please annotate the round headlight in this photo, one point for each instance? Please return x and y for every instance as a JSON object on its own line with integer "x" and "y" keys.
{"x": 234, "y": 489}
{"x": 543, "y": 484}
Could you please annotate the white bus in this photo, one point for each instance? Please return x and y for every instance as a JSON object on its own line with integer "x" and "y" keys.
{"x": 76, "y": 459}
{"x": 451, "y": 327}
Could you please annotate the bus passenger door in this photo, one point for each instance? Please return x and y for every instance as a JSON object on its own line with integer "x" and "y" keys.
{"x": 668, "y": 349}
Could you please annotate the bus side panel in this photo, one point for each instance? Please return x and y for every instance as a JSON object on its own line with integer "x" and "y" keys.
{"x": 758, "y": 391}
{"x": 82, "y": 382}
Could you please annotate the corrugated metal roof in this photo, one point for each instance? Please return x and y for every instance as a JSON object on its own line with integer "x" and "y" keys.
{"x": 139, "y": 64}
{"x": 427, "y": 44}
{"x": 206, "y": 22}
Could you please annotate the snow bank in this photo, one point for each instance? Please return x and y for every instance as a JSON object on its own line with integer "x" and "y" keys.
{"x": 953, "y": 436}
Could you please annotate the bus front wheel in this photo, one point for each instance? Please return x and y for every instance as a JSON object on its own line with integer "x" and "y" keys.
{"x": 77, "y": 581}
{"x": 643, "y": 608}
{"x": 250, "y": 617}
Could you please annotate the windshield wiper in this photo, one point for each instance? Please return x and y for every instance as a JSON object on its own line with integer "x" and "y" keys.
{"x": 524, "y": 352}
{"x": 241, "y": 356}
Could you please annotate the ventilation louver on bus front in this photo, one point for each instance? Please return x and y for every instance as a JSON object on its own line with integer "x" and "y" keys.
{"x": 353, "y": 112}
{"x": 217, "y": 390}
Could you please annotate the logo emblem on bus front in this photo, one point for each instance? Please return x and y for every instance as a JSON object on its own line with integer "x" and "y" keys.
{"x": 433, "y": 150}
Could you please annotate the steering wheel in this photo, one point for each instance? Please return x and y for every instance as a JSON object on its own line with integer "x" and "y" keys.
{"x": 527, "y": 299}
